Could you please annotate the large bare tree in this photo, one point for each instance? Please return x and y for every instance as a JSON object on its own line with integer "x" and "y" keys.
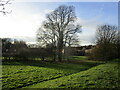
{"x": 59, "y": 28}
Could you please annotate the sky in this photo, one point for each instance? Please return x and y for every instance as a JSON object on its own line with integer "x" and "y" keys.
{"x": 26, "y": 17}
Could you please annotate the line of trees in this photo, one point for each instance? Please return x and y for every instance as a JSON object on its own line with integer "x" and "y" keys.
{"x": 19, "y": 50}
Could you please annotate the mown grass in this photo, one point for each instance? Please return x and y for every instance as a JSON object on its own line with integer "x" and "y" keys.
{"x": 101, "y": 76}
{"x": 38, "y": 74}
{"x": 78, "y": 57}
{"x": 19, "y": 74}
{"x": 83, "y": 59}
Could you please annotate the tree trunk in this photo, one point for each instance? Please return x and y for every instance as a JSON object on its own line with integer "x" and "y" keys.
{"x": 60, "y": 54}
{"x": 60, "y": 46}
{"x": 54, "y": 55}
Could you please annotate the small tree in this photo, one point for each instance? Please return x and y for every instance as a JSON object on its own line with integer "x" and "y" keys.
{"x": 6, "y": 46}
{"x": 106, "y": 38}
{"x": 19, "y": 50}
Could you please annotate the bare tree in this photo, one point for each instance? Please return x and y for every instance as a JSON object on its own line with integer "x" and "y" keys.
{"x": 3, "y": 4}
{"x": 58, "y": 28}
{"x": 106, "y": 36}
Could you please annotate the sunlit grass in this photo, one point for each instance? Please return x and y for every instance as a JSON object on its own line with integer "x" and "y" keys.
{"x": 20, "y": 74}
{"x": 102, "y": 76}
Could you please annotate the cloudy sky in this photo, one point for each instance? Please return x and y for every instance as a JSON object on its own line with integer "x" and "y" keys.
{"x": 26, "y": 18}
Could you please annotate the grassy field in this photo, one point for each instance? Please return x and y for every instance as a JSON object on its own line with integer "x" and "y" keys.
{"x": 102, "y": 76}
{"x": 37, "y": 74}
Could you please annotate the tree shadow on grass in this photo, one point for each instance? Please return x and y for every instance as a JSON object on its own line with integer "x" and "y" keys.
{"x": 54, "y": 65}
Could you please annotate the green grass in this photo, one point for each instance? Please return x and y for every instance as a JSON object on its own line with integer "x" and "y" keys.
{"x": 21, "y": 74}
{"x": 78, "y": 57}
{"x": 102, "y": 76}
{"x": 37, "y": 74}
{"x": 83, "y": 59}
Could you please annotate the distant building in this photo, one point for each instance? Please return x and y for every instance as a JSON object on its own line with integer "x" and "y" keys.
{"x": 82, "y": 50}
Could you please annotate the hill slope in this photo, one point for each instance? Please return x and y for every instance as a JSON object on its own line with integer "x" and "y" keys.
{"x": 21, "y": 74}
{"x": 102, "y": 76}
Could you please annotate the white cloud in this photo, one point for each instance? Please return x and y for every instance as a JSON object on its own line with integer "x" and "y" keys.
{"x": 28, "y": 39}
{"x": 48, "y": 11}
{"x": 20, "y": 23}
{"x": 90, "y": 24}
{"x": 88, "y": 30}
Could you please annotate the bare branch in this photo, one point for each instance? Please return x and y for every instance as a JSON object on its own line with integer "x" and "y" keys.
{"x": 3, "y": 4}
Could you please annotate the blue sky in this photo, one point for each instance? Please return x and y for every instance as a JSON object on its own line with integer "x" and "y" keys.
{"x": 85, "y": 10}
{"x": 26, "y": 18}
